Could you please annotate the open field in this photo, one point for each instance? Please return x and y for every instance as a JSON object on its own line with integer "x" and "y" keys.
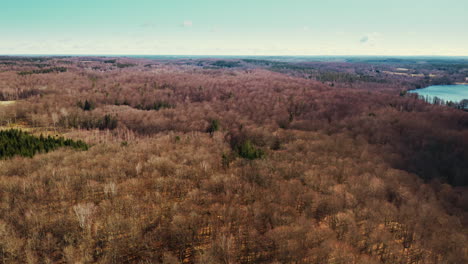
{"x": 5, "y": 103}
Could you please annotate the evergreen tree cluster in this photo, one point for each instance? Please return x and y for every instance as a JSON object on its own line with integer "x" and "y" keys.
{"x": 248, "y": 151}
{"x": 214, "y": 126}
{"x": 107, "y": 122}
{"x": 243, "y": 146}
{"x": 155, "y": 106}
{"x": 17, "y": 142}
{"x": 86, "y": 105}
{"x": 91, "y": 122}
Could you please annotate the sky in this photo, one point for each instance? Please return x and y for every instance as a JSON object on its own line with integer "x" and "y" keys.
{"x": 240, "y": 27}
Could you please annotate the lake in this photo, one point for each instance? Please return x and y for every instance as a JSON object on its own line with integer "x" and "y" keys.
{"x": 454, "y": 93}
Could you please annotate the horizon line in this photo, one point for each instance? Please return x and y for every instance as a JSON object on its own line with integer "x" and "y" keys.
{"x": 221, "y": 55}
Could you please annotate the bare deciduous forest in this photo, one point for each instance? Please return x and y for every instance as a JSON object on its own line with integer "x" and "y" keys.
{"x": 231, "y": 161}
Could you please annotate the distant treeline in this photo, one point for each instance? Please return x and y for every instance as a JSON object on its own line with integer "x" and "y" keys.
{"x": 226, "y": 64}
{"x": 346, "y": 77}
{"x": 24, "y": 59}
{"x": 17, "y": 142}
{"x": 124, "y": 65}
{"x": 43, "y": 71}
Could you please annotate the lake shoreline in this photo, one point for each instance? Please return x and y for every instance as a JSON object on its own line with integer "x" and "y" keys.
{"x": 455, "y": 93}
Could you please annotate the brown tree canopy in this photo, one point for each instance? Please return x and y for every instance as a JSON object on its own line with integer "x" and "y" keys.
{"x": 230, "y": 162}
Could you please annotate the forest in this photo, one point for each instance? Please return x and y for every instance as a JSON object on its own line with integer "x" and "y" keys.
{"x": 16, "y": 142}
{"x": 233, "y": 160}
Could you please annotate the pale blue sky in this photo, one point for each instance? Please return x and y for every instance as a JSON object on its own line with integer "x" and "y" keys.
{"x": 241, "y": 27}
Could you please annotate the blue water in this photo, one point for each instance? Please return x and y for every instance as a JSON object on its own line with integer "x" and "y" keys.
{"x": 454, "y": 93}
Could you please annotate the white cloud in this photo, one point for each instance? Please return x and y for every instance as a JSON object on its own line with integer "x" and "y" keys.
{"x": 187, "y": 23}
{"x": 370, "y": 39}
{"x": 148, "y": 25}
{"x": 364, "y": 39}
{"x": 219, "y": 44}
